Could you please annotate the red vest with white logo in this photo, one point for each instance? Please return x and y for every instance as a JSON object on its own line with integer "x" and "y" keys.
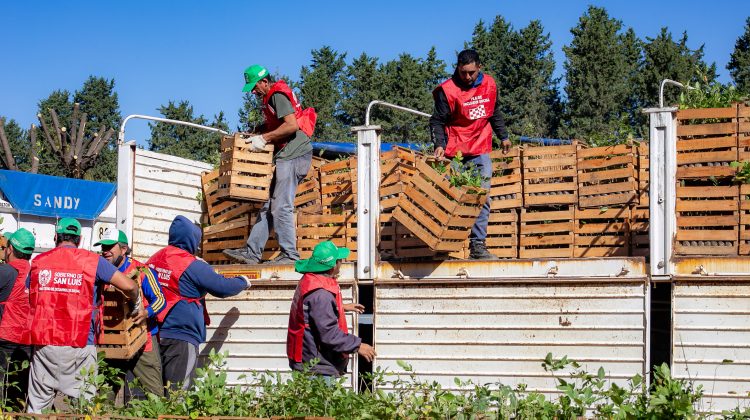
{"x": 170, "y": 263}
{"x": 62, "y": 297}
{"x": 469, "y": 130}
{"x": 14, "y": 324}
{"x": 296, "y": 330}
{"x": 305, "y": 117}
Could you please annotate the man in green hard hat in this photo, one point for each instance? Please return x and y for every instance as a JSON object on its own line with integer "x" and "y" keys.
{"x": 14, "y": 313}
{"x": 317, "y": 321}
{"x": 288, "y": 127}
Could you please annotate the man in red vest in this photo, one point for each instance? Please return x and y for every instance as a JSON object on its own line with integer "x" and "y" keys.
{"x": 14, "y": 312}
{"x": 146, "y": 364}
{"x": 317, "y": 322}
{"x": 64, "y": 295}
{"x": 466, "y": 114}
{"x": 185, "y": 281}
{"x": 288, "y": 127}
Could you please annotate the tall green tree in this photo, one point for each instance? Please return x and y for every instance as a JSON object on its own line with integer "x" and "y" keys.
{"x": 666, "y": 58}
{"x": 739, "y": 61}
{"x": 633, "y": 117}
{"x": 321, "y": 87}
{"x": 529, "y": 92}
{"x": 361, "y": 85}
{"x": 183, "y": 141}
{"x": 598, "y": 83}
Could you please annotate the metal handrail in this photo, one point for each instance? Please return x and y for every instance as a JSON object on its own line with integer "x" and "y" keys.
{"x": 121, "y": 134}
{"x": 390, "y": 105}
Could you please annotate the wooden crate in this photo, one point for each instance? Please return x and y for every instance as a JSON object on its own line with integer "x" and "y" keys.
{"x": 643, "y": 168}
{"x": 411, "y": 247}
{"x": 272, "y": 249}
{"x": 308, "y": 198}
{"x": 387, "y": 237}
{"x": 218, "y": 208}
{"x": 743, "y": 131}
{"x": 607, "y": 176}
{"x": 337, "y": 180}
{"x": 706, "y": 143}
{"x": 397, "y": 166}
{"x": 119, "y": 337}
{"x": 436, "y": 212}
{"x": 639, "y": 235}
{"x": 506, "y": 190}
{"x": 226, "y": 235}
{"x": 602, "y": 232}
{"x": 744, "y": 247}
{"x": 243, "y": 174}
{"x": 547, "y": 232}
{"x": 502, "y": 233}
{"x": 315, "y": 228}
{"x": 549, "y": 175}
{"x": 707, "y": 220}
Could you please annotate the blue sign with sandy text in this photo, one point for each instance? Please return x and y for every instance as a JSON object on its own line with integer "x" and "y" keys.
{"x": 53, "y": 196}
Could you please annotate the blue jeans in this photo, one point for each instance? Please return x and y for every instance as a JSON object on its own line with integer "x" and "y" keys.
{"x": 278, "y": 212}
{"x": 483, "y": 164}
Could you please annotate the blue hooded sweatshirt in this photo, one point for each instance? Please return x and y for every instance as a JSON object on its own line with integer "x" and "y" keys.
{"x": 185, "y": 320}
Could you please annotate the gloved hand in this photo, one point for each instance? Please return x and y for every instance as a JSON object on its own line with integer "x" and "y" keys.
{"x": 136, "y": 306}
{"x": 247, "y": 280}
{"x": 257, "y": 143}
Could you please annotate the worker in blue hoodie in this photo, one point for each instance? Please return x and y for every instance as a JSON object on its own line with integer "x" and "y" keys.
{"x": 185, "y": 281}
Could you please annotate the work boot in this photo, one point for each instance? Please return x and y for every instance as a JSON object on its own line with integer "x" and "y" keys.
{"x": 478, "y": 251}
{"x": 281, "y": 259}
{"x": 240, "y": 255}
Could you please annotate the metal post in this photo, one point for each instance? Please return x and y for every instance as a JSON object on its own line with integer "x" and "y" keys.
{"x": 662, "y": 190}
{"x": 125, "y": 187}
{"x": 368, "y": 199}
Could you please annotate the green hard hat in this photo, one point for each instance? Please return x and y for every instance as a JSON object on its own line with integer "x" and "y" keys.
{"x": 23, "y": 241}
{"x": 324, "y": 257}
{"x": 253, "y": 75}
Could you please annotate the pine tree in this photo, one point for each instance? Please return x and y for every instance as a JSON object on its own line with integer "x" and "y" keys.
{"x": 529, "y": 92}
{"x": 666, "y": 58}
{"x": 739, "y": 63}
{"x": 321, "y": 89}
{"x": 183, "y": 141}
{"x": 361, "y": 85}
{"x": 598, "y": 80}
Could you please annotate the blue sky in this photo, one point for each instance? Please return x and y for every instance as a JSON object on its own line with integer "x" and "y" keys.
{"x": 196, "y": 50}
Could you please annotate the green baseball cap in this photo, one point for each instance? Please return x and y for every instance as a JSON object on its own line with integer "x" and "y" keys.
{"x": 253, "y": 75}
{"x": 22, "y": 241}
{"x": 68, "y": 225}
{"x": 324, "y": 257}
{"x": 112, "y": 236}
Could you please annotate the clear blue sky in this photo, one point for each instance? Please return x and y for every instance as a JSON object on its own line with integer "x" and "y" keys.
{"x": 196, "y": 50}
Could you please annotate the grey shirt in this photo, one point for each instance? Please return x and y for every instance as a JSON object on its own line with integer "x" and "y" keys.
{"x": 323, "y": 340}
{"x": 297, "y": 144}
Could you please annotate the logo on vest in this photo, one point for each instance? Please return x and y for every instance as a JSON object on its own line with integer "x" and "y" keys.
{"x": 163, "y": 273}
{"x": 44, "y": 277}
{"x": 477, "y": 113}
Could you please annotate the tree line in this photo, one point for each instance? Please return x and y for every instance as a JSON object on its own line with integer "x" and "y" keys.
{"x": 610, "y": 74}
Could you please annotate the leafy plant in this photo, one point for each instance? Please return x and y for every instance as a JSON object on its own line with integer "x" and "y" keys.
{"x": 742, "y": 176}
{"x": 459, "y": 174}
{"x": 708, "y": 95}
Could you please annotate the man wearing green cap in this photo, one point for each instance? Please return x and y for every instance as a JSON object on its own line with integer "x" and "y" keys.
{"x": 64, "y": 302}
{"x": 14, "y": 312}
{"x": 317, "y": 322}
{"x": 146, "y": 364}
{"x": 288, "y": 127}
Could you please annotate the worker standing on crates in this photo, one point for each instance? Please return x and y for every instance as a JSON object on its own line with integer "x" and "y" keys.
{"x": 146, "y": 364}
{"x": 466, "y": 114}
{"x": 317, "y": 322}
{"x": 14, "y": 314}
{"x": 185, "y": 281}
{"x": 64, "y": 301}
{"x": 288, "y": 127}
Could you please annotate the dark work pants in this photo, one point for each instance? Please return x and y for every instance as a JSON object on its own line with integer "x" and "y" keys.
{"x": 178, "y": 360}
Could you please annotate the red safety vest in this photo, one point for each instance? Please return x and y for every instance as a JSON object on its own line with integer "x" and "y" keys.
{"x": 14, "y": 324}
{"x": 296, "y": 330}
{"x": 305, "y": 117}
{"x": 62, "y": 297}
{"x": 170, "y": 263}
{"x": 134, "y": 265}
{"x": 469, "y": 130}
